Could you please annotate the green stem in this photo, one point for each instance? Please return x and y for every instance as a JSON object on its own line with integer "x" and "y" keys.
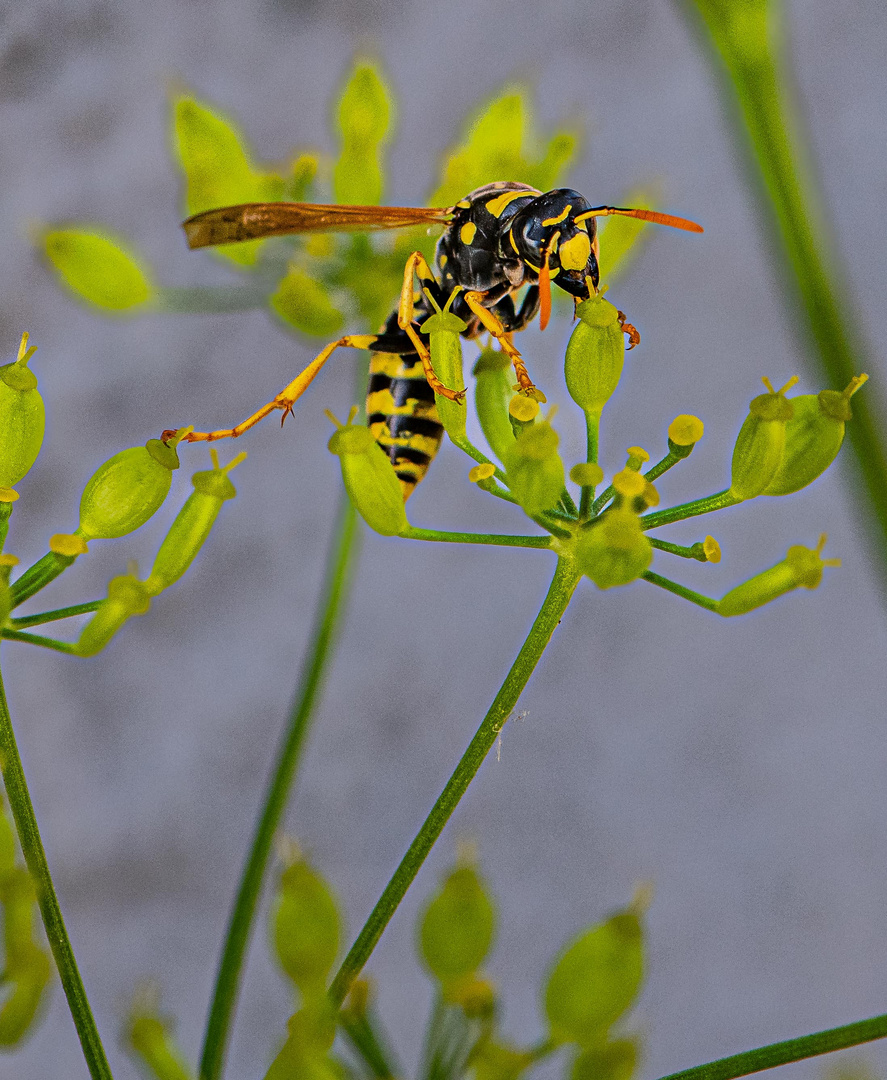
{"x": 751, "y": 51}
{"x": 468, "y": 447}
{"x": 566, "y": 577}
{"x": 592, "y": 435}
{"x": 781, "y": 1053}
{"x": 5, "y": 511}
{"x": 367, "y": 1041}
{"x": 32, "y": 848}
{"x": 412, "y": 533}
{"x": 37, "y": 639}
{"x": 690, "y": 509}
{"x": 680, "y": 590}
{"x": 53, "y": 616}
{"x": 695, "y": 551}
{"x": 39, "y": 575}
{"x": 329, "y": 612}
{"x": 670, "y": 459}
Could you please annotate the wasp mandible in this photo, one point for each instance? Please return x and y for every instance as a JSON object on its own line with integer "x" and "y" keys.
{"x": 498, "y": 239}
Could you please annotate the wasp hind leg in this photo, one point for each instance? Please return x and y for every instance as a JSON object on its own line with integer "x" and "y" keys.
{"x": 287, "y": 397}
{"x": 418, "y": 265}
{"x": 502, "y": 334}
{"x": 634, "y": 337}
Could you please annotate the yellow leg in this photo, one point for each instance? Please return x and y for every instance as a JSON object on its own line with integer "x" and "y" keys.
{"x": 418, "y": 265}
{"x": 286, "y": 398}
{"x": 524, "y": 383}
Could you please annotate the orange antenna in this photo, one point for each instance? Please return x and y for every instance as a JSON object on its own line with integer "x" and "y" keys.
{"x": 642, "y": 215}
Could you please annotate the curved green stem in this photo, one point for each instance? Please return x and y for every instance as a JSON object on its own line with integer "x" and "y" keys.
{"x": 329, "y": 611}
{"x": 566, "y": 577}
{"x": 781, "y": 1053}
{"x": 35, "y": 856}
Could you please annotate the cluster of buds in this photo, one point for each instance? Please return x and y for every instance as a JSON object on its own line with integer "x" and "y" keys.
{"x": 120, "y": 497}
{"x": 784, "y": 444}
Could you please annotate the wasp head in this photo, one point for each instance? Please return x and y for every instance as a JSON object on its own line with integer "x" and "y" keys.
{"x": 546, "y": 232}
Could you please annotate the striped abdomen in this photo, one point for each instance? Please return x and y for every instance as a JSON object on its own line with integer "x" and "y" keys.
{"x": 402, "y": 415}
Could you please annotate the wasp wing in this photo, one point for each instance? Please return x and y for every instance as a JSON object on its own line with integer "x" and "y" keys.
{"x": 251, "y": 221}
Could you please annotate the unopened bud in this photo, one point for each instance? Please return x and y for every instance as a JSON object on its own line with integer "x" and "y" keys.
{"x": 813, "y": 437}
{"x": 595, "y": 355}
{"x": 760, "y": 444}
{"x": 22, "y": 417}
{"x": 802, "y": 567}
{"x": 127, "y": 596}
{"x": 534, "y": 467}
{"x": 188, "y": 533}
{"x": 456, "y": 931}
{"x": 492, "y": 393}
{"x": 369, "y": 477}
{"x": 306, "y": 926}
{"x": 614, "y": 550}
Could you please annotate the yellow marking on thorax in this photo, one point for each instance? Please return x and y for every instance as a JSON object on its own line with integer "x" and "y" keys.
{"x": 497, "y": 205}
{"x": 466, "y": 233}
{"x": 443, "y": 260}
{"x": 463, "y": 204}
{"x": 557, "y": 220}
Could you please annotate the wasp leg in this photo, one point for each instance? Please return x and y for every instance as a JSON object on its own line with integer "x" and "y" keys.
{"x": 528, "y": 310}
{"x": 634, "y": 337}
{"x": 417, "y": 264}
{"x": 492, "y": 323}
{"x": 287, "y": 397}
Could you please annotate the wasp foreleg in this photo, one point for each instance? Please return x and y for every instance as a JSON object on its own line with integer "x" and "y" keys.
{"x": 287, "y": 397}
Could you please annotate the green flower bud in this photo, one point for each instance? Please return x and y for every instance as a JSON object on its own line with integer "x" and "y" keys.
{"x": 124, "y": 492}
{"x": 217, "y": 168}
{"x": 29, "y": 980}
{"x": 615, "y": 1060}
{"x": 494, "y": 1061}
{"x": 149, "y": 1036}
{"x": 149, "y": 1039}
{"x": 813, "y": 437}
{"x": 127, "y": 596}
{"x": 22, "y": 417}
{"x": 192, "y": 525}
{"x": 7, "y": 841}
{"x": 534, "y": 467}
{"x": 492, "y": 393}
{"x": 306, "y": 927}
{"x": 595, "y": 980}
{"x": 801, "y": 567}
{"x": 595, "y": 355}
{"x": 18, "y": 899}
{"x": 457, "y": 927}
{"x": 97, "y": 269}
{"x": 303, "y": 302}
{"x": 760, "y": 444}
{"x": 363, "y": 119}
{"x": 445, "y": 346}
{"x": 369, "y": 477}
{"x": 614, "y": 550}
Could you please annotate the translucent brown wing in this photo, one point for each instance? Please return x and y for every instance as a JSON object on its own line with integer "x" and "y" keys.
{"x": 251, "y": 221}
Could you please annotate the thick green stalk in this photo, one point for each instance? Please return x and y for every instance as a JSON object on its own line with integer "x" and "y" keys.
{"x": 680, "y": 590}
{"x": 329, "y": 611}
{"x": 707, "y": 505}
{"x": 746, "y": 40}
{"x": 39, "y": 575}
{"x": 560, "y": 591}
{"x": 32, "y": 848}
{"x": 53, "y": 616}
{"x": 781, "y": 1053}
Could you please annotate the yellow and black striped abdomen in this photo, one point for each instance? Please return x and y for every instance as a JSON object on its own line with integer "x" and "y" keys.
{"x": 402, "y": 415}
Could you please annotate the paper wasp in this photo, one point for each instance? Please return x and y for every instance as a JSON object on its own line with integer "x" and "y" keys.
{"x": 496, "y": 240}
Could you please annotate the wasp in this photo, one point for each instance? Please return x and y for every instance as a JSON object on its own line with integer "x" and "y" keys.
{"x": 497, "y": 240}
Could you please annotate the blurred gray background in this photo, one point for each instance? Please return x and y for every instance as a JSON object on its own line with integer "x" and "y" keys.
{"x": 737, "y": 765}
